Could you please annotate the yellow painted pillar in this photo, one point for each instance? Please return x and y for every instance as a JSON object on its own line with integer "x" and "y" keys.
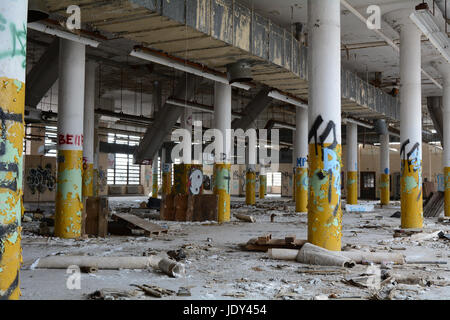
{"x": 69, "y": 204}
{"x": 155, "y": 178}
{"x": 262, "y": 186}
{"x": 250, "y": 187}
{"x": 385, "y": 194}
{"x": 13, "y": 37}
{"x": 89, "y": 129}
{"x": 411, "y": 194}
{"x": 324, "y": 123}
{"x": 166, "y": 179}
{"x": 222, "y": 178}
{"x": 181, "y": 178}
{"x": 352, "y": 162}
{"x": 385, "y": 190}
{"x": 301, "y": 189}
{"x": 352, "y": 187}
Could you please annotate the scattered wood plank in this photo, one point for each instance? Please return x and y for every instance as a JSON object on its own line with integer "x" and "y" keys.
{"x": 264, "y": 243}
{"x": 134, "y": 222}
{"x": 434, "y": 206}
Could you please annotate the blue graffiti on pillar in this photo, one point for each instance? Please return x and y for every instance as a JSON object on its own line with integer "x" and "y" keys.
{"x": 301, "y": 162}
{"x": 386, "y": 170}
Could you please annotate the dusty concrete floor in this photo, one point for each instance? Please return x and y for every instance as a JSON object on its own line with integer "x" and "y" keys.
{"x": 217, "y": 269}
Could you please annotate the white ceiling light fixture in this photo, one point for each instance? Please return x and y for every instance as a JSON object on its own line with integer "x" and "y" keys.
{"x": 165, "y": 61}
{"x": 37, "y": 26}
{"x": 277, "y": 95}
{"x": 423, "y": 19}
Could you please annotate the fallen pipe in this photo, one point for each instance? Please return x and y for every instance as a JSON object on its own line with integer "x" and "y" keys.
{"x": 314, "y": 255}
{"x": 356, "y": 256}
{"x": 169, "y": 267}
{"x": 375, "y": 257}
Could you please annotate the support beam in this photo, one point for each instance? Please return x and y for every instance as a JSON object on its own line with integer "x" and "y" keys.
{"x": 222, "y": 166}
{"x": 324, "y": 203}
{"x": 301, "y": 160}
{"x": 96, "y": 155}
{"x": 410, "y": 118}
{"x": 385, "y": 190}
{"x": 12, "y": 105}
{"x": 257, "y": 106}
{"x": 88, "y": 130}
{"x": 69, "y": 205}
{"x": 43, "y": 75}
{"x": 352, "y": 163}
{"x": 165, "y": 119}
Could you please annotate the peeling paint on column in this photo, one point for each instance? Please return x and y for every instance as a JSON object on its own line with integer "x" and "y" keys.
{"x": 301, "y": 189}
{"x": 385, "y": 189}
{"x": 250, "y": 187}
{"x": 166, "y": 179}
{"x": 69, "y": 206}
{"x": 411, "y": 186}
{"x": 88, "y": 179}
{"x": 262, "y": 186}
{"x": 13, "y": 36}
{"x": 352, "y": 187}
{"x": 155, "y": 178}
{"x": 222, "y": 179}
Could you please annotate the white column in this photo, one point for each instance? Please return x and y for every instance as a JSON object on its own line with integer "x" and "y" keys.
{"x": 301, "y": 138}
{"x": 252, "y": 149}
{"x": 324, "y": 121}
{"x": 410, "y": 118}
{"x": 384, "y": 154}
{"x": 88, "y": 130}
{"x": 70, "y": 139}
{"x": 222, "y": 117}
{"x": 352, "y": 147}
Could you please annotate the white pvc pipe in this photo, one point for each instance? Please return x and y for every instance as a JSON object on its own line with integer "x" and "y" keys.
{"x": 182, "y": 67}
{"x": 301, "y": 138}
{"x": 89, "y": 113}
{"x": 222, "y": 117}
{"x": 384, "y": 154}
{"x": 352, "y": 147}
{"x": 37, "y": 26}
{"x": 71, "y": 95}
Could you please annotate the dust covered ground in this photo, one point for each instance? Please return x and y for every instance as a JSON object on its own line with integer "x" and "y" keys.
{"x": 216, "y": 268}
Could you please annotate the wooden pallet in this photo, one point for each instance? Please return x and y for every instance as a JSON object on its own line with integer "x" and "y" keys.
{"x": 134, "y": 222}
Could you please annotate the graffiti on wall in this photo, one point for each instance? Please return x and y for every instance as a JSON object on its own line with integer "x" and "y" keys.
{"x": 41, "y": 179}
{"x": 18, "y": 40}
{"x": 413, "y": 161}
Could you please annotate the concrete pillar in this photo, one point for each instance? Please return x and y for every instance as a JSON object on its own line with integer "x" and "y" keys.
{"x": 69, "y": 205}
{"x": 222, "y": 166}
{"x": 385, "y": 193}
{"x": 324, "y": 120}
{"x": 410, "y": 118}
{"x": 444, "y": 69}
{"x": 352, "y": 163}
{"x": 166, "y": 175}
{"x": 155, "y": 177}
{"x": 96, "y": 155}
{"x": 88, "y": 131}
{"x": 250, "y": 176}
{"x": 301, "y": 160}
{"x": 12, "y": 103}
{"x": 262, "y": 183}
{"x": 186, "y": 123}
